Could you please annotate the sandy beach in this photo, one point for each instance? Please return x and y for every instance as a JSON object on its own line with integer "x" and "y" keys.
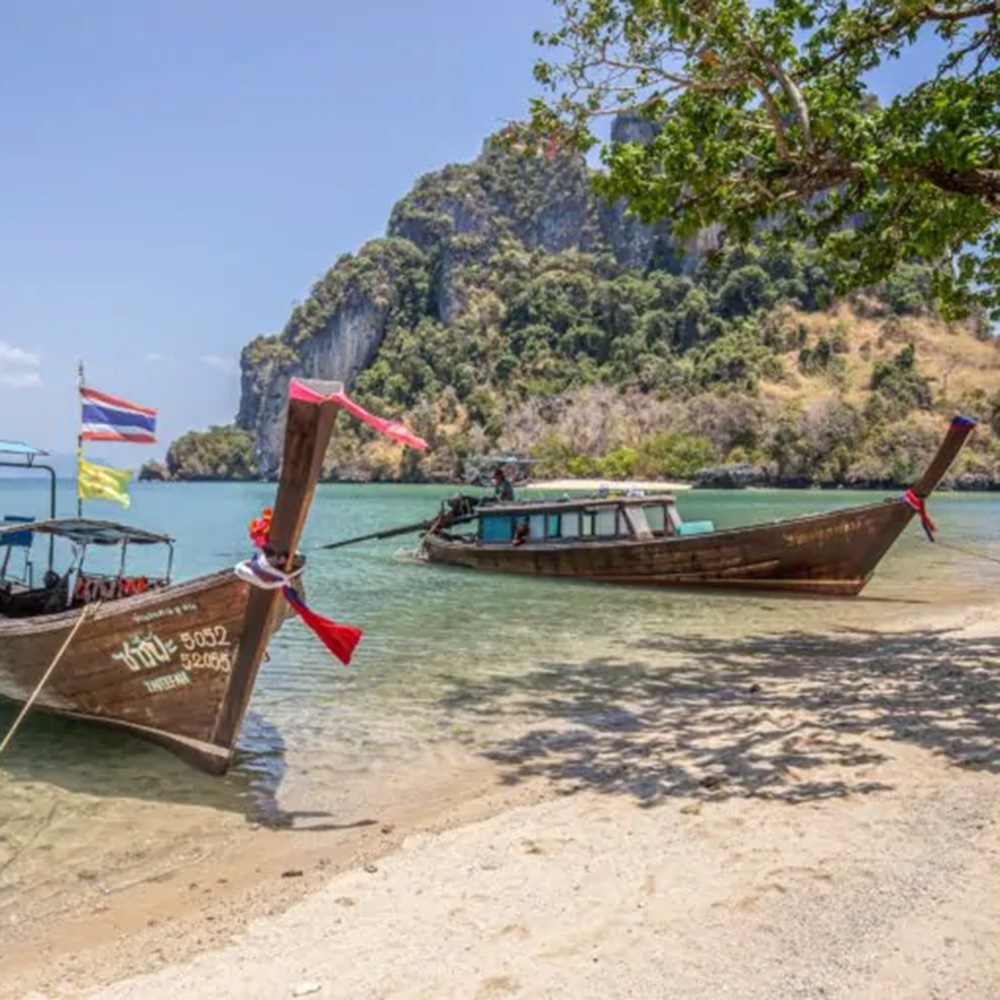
{"x": 811, "y": 815}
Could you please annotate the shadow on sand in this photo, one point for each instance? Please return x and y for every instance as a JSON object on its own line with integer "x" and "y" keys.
{"x": 795, "y": 718}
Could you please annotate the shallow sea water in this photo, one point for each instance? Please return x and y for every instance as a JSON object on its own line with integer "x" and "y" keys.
{"x": 82, "y": 809}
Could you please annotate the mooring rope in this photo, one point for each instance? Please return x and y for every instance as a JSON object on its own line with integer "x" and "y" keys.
{"x": 88, "y": 612}
{"x": 968, "y": 552}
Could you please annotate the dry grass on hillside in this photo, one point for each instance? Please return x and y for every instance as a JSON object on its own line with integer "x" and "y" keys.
{"x": 958, "y": 365}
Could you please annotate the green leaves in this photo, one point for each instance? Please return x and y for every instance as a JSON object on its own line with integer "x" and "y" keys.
{"x": 763, "y": 118}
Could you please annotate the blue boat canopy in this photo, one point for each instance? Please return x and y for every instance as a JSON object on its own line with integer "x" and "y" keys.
{"x": 20, "y": 448}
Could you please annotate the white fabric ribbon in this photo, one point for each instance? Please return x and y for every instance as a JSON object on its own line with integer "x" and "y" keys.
{"x": 258, "y": 572}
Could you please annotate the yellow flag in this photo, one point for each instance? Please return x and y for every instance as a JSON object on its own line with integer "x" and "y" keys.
{"x": 98, "y": 482}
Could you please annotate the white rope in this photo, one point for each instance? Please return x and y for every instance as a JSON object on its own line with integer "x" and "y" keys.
{"x": 88, "y": 612}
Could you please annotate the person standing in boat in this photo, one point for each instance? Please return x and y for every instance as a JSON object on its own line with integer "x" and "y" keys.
{"x": 502, "y": 489}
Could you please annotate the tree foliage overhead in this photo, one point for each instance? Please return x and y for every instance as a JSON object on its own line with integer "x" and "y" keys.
{"x": 762, "y": 120}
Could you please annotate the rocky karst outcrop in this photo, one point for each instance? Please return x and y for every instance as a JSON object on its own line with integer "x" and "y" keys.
{"x": 452, "y": 222}
{"x": 509, "y": 308}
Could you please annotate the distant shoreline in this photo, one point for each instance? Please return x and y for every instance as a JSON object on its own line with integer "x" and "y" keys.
{"x": 646, "y": 485}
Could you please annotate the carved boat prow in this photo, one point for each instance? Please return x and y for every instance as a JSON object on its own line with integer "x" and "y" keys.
{"x": 175, "y": 664}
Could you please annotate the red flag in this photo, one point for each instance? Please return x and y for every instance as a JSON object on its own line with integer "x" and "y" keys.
{"x": 341, "y": 640}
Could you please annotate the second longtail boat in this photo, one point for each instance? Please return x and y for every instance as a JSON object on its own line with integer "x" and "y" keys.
{"x": 643, "y": 540}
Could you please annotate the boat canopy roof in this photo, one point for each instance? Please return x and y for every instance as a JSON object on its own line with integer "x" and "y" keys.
{"x": 20, "y": 449}
{"x": 86, "y": 532}
{"x": 575, "y": 503}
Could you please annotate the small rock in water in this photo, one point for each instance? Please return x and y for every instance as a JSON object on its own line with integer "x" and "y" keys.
{"x": 291, "y": 873}
{"x": 304, "y": 989}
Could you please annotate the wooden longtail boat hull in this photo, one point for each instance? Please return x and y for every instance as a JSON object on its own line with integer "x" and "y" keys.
{"x": 159, "y": 664}
{"x": 830, "y": 554}
{"x": 177, "y": 665}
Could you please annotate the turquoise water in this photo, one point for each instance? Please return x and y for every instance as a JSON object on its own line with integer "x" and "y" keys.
{"x": 76, "y": 797}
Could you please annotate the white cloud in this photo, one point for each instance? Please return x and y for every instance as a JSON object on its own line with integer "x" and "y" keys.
{"x": 9, "y": 354}
{"x": 154, "y": 357}
{"x": 227, "y": 365}
{"x": 17, "y": 367}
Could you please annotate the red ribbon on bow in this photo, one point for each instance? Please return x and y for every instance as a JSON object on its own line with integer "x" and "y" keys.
{"x": 917, "y": 503}
{"x": 341, "y": 640}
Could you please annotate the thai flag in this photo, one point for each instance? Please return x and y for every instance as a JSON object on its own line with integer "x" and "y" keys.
{"x": 107, "y": 418}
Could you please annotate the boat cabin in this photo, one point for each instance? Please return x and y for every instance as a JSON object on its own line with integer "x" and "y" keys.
{"x": 20, "y": 597}
{"x": 583, "y": 520}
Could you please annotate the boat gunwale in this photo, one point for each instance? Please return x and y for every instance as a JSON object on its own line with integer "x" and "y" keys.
{"x": 592, "y": 541}
{"x": 122, "y": 605}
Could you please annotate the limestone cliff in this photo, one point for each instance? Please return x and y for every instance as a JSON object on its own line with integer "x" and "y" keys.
{"x": 452, "y": 221}
{"x": 508, "y": 308}
{"x": 333, "y": 335}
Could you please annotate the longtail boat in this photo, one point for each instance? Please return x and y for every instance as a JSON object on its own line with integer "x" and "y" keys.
{"x": 173, "y": 662}
{"x": 643, "y": 540}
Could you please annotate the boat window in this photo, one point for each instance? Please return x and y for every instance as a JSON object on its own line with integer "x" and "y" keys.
{"x": 634, "y": 520}
{"x": 496, "y": 529}
{"x": 552, "y": 526}
{"x": 569, "y": 526}
{"x": 606, "y": 523}
{"x": 674, "y": 517}
{"x": 536, "y": 526}
{"x": 586, "y": 523}
{"x": 655, "y": 517}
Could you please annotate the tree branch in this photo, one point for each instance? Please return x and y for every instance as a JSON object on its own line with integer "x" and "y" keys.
{"x": 962, "y": 14}
{"x": 978, "y": 182}
{"x": 883, "y": 30}
{"x": 781, "y": 140}
{"x": 798, "y": 102}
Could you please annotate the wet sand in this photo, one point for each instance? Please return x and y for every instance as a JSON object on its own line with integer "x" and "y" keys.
{"x": 800, "y": 814}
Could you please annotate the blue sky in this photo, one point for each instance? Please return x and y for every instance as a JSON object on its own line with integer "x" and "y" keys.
{"x": 175, "y": 174}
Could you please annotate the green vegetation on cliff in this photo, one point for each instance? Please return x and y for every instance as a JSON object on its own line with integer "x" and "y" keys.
{"x": 218, "y": 453}
{"x": 508, "y": 310}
